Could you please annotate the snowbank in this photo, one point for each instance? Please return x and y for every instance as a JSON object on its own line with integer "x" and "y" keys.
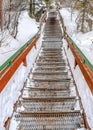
{"x": 8, "y": 97}
{"x": 27, "y": 28}
{"x": 83, "y": 40}
{"x": 84, "y": 91}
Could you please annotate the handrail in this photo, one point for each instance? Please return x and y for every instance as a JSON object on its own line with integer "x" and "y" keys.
{"x": 81, "y": 60}
{"x": 9, "y": 60}
{"x": 86, "y": 61}
{"x": 8, "y": 72}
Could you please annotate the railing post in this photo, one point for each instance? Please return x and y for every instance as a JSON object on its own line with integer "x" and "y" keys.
{"x": 25, "y": 62}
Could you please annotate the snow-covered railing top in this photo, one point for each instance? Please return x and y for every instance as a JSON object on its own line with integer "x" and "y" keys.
{"x": 85, "y": 59}
{"x": 9, "y": 61}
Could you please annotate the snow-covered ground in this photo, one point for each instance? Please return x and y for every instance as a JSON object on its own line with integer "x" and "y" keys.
{"x": 84, "y": 42}
{"x": 27, "y": 28}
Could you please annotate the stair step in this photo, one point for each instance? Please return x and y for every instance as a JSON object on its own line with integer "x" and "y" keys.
{"x": 50, "y": 57}
{"x": 52, "y": 36}
{"x": 53, "y": 39}
{"x": 49, "y": 73}
{"x": 51, "y": 114}
{"x": 49, "y": 121}
{"x": 52, "y": 50}
{"x": 48, "y": 54}
{"x": 51, "y": 80}
{"x": 47, "y": 68}
{"x": 34, "y": 88}
{"x": 47, "y": 104}
{"x": 45, "y": 94}
{"x": 51, "y": 54}
{"x": 50, "y": 77}
{"x": 51, "y": 84}
{"x": 50, "y": 60}
{"x": 62, "y": 99}
{"x": 50, "y": 64}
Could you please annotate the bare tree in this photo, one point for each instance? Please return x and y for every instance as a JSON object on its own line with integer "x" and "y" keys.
{"x": 10, "y": 11}
{"x": 0, "y": 14}
{"x": 84, "y": 22}
{"x": 84, "y": 4}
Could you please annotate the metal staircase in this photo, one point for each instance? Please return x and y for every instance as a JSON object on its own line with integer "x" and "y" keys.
{"x": 49, "y": 100}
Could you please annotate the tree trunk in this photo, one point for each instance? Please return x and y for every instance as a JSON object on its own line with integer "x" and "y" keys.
{"x": 83, "y": 15}
{"x": 9, "y": 20}
{"x": 1, "y": 1}
{"x": 31, "y": 8}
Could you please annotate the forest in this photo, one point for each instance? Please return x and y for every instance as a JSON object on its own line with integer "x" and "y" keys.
{"x": 10, "y": 11}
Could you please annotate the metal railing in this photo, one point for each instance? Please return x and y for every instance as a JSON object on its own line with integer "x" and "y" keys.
{"x": 86, "y": 61}
{"x": 8, "y": 62}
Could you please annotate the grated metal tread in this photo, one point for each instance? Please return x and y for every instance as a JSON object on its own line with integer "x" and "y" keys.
{"x": 51, "y": 121}
{"x": 44, "y": 64}
{"x": 48, "y": 104}
{"x": 45, "y": 94}
{"x": 48, "y": 84}
{"x": 50, "y": 74}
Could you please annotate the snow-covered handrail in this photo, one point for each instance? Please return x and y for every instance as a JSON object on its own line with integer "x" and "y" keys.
{"x": 9, "y": 61}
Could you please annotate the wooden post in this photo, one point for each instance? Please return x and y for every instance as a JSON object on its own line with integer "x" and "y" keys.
{"x": 25, "y": 62}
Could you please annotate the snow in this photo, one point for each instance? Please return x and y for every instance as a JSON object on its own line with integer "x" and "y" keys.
{"x": 14, "y": 125}
{"x": 30, "y": 61}
{"x": 83, "y": 40}
{"x": 27, "y": 28}
{"x": 8, "y": 97}
{"x": 86, "y": 95}
{"x": 81, "y": 129}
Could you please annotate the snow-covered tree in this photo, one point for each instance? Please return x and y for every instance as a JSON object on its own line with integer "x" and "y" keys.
{"x": 84, "y": 21}
{"x": 36, "y": 8}
{"x": 9, "y": 14}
